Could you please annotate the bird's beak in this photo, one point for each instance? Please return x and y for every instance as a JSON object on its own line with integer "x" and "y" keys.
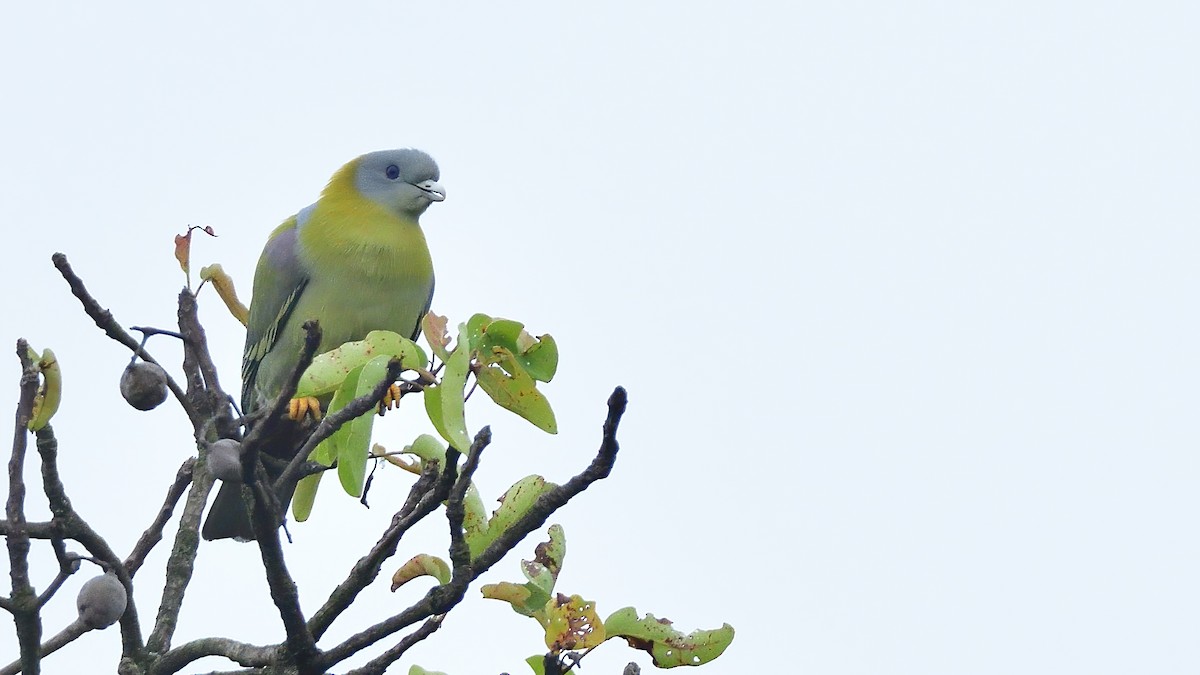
{"x": 432, "y": 190}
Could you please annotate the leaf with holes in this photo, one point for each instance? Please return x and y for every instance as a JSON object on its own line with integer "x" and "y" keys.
{"x": 572, "y": 623}
{"x": 537, "y": 357}
{"x": 329, "y": 370}
{"x": 668, "y": 647}
{"x": 532, "y": 597}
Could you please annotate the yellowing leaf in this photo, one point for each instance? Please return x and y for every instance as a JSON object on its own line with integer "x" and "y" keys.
{"x": 49, "y": 394}
{"x": 421, "y": 565}
{"x": 434, "y": 327}
{"x": 183, "y": 251}
{"x": 183, "y": 248}
{"x": 221, "y": 281}
{"x": 516, "y": 595}
{"x": 572, "y": 623}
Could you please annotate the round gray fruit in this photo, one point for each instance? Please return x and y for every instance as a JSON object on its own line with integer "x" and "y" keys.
{"x": 101, "y": 601}
{"x": 144, "y": 385}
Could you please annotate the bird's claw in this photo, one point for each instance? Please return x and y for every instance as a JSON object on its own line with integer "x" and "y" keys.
{"x": 299, "y": 408}
{"x": 391, "y": 399}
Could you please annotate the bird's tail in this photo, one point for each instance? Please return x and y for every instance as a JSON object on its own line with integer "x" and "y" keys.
{"x": 229, "y": 516}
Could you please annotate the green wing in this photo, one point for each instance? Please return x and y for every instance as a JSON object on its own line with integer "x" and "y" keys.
{"x": 279, "y": 281}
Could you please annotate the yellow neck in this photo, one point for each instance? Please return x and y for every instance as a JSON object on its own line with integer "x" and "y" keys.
{"x": 349, "y": 233}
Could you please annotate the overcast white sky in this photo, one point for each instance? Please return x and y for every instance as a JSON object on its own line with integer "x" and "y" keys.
{"x": 904, "y": 298}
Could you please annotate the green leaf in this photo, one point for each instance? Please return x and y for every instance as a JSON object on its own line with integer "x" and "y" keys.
{"x": 354, "y": 437}
{"x": 668, "y": 647}
{"x": 513, "y": 389}
{"x": 329, "y": 370}
{"x": 541, "y": 359}
{"x": 475, "y": 521}
{"x": 515, "y": 503}
{"x": 475, "y": 327}
{"x": 428, "y": 449}
{"x": 444, "y": 402}
{"x": 538, "y": 357}
{"x": 538, "y": 663}
{"x": 418, "y": 670}
{"x": 327, "y": 451}
{"x": 304, "y": 496}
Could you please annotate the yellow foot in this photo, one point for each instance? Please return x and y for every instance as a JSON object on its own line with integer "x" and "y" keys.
{"x": 299, "y": 408}
{"x": 391, "y": 399}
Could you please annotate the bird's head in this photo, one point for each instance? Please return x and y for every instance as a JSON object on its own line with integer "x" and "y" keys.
{"x": 403, "y": 181}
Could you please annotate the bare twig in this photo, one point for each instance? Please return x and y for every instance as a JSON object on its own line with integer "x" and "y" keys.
{"x": 148, "y": 331}
{"x": 153, "y": 533}
{"x": 64, "y": 637}
{"x": 379, "y": 664}
{"x": 67, "y": 565}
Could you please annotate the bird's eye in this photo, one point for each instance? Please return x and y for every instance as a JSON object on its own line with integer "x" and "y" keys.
{"x": 393, "y": 171}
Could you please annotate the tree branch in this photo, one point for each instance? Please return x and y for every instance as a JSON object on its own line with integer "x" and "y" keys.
{"x": 180, "y": 563}
{"x": 204, "y": 391}
{"x": 63, "y": 638}
{"x": 379, "y": 664}
{"x": 68, "y": 564}
{"x": 441, "y": 599}
{"x": 153, "y": 533}
{"x": 246, "y": 655}
{"x": 23, "y": 600}
{"x": 265, "y": 521}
